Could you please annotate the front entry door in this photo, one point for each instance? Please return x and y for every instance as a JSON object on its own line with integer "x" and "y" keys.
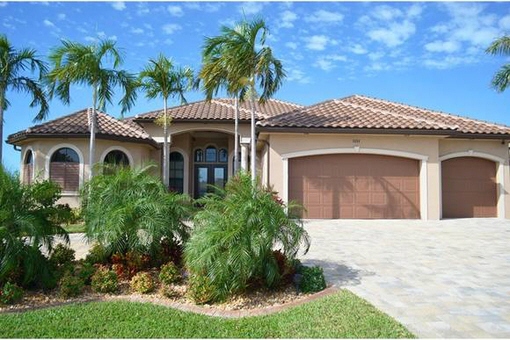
{"x": 208, "y": 176}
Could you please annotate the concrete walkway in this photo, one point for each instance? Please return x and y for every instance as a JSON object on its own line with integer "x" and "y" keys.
{"x": 441, "y": 279}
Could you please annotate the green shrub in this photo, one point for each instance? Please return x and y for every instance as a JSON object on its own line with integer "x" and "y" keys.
{"x": 167, "y": 291}
{"x": 142, "y": 283}
{"x": 29, "y": 220}
{"x": 71, "y": 285}
{"x": 200, "y": 289}
{"x": 10, "y": 293}
{"x": 61, "y": 256}
{"x": 84, "y": 270}
{"x": 311, "y": 279}
{"x": 234, "y": 236}
{"x": 169, "y": 273}
{"x": 97, "y": 254}
{"x": 104, "y": 280}
{"x": 131, "y": 210}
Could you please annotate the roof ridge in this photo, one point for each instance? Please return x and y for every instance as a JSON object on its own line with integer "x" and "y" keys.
{"x": 437, "y": 112}
{"x": 58, "y": 119}
{"x": 111, "y": 118}
{"x": 416, "y": 119}
{"x": 286, "y": 102}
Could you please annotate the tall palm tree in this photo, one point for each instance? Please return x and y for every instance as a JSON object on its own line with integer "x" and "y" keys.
{"x": 13, "y": 63}
{"x": 75, "y": 63}
{"x": 161, "y": 79}
{"x": 244, "y": 63}
{"x": 501, "y": 46}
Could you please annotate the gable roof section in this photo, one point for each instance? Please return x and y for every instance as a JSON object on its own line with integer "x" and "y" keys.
{"x": 220, "y": 110}
{"x": 77, "y": 125}
{"x": 364, "y": 114}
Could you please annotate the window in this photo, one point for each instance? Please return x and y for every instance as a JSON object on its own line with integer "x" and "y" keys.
{"x": 199, "y": 155}
{"x": 176, "y": 176}
{"x": 65, "y": 169}
{"x": 114, "y": 159}
{"x": 223, "y": 156}
{"x": 28, "y": 167}
{"x": 210, "y": 154}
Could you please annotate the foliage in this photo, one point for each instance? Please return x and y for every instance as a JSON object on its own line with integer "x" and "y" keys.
{"x": 131, "y": 210}
{"x": 84, "y": 270}
{"x": 286, "y": 267}
{"x": 29, "y": 219}
{"x": 62, "y": 256}
{"x": 341, "y": 315}
{"x": 311, "y": 279}
{"x": 501, "y": 46}
{"x": 10, "y": 293}
{"x": 71, "y": 285}
{"x": 104, "y": 280}
{"x": 200, "y": 289}
{"x": 75, "y": 217}
{"x": 97, "y": 254}
{"x": 235, "y": 234}
{"x": 167, "y": 291}
{"x": 169, "y": 273}
{"x": 126, "y": 266}
{"x": 142, "y": 282}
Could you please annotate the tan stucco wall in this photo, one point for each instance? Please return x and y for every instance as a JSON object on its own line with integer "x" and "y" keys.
{"x": 428, "y": 149}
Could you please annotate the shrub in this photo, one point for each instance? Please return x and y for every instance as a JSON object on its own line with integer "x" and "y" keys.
{"x": 70, "y": 285}
{"x": 104, "y": 281}
{"x": 142, "y": 283}
{"x": 169, "y": 273}
{"x": 200, "y": 289}
{"x": 234, "y": 236}
{"x": 10, "y": 293}
{"x": 29, "y": 219}
{"x": 286, "y": 267}
{"x": 131, "y": 210}
{"x": 168, "y": 291}
{"x": 311, "y": 279}
{"x": 62, "y": 256}
{"x": 97, "y": 254}
{"x": 84, "y": 270}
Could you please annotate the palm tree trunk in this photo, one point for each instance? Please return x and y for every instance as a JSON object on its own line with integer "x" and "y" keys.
{"x": 92, "y": 144}
{"x": 1, "y": 127}
{"x": 236, "y": 136}
{"x": 253, "y": 141}
{"x": 165, "y": 145}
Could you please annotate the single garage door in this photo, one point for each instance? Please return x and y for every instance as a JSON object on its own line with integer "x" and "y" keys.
{"x": 469, "y": 187}
{"x": 356, "y": 186}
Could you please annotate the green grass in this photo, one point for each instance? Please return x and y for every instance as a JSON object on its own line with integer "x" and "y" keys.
{"x": 75, "y": 228}
{"x": 341, "y": 315}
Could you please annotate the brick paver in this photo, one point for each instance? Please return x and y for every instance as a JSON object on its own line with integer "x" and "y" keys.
{"x": 441, "y": 279}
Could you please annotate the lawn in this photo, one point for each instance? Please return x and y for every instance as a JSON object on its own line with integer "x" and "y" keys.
{"x": 341, "y": 315}
{"x": 75, "y": 228}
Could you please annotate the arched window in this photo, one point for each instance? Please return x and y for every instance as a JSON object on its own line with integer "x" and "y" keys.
{"x": 199, "y": 155}
{"x": 28, "y": 167}
{"x": 223, "y": 156}
{"x": 65, "y": 169}
{"x": 211, "y": 154}
{"x": 176, "y": 176}
{"x": 114, "y": 159}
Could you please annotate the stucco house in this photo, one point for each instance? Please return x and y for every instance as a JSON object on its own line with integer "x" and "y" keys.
{"x": 355, "y": 157}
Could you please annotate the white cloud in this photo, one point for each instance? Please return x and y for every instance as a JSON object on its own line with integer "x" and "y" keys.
{"x": 377, "y": 67}
{"x": 504, "y": 23}
{"x": 119, "y": 5}
{"x": 415, "y": 10}
{"x": 291, "y": 45}
{"x": 142, "y": 9}
{"x": 326, "y": 63}
{"x": 357, "y": 49}
{"x": 448, "y": 62}
{"x": 171, "y": 28}
{"x": 202, "y": 6}
{"x": 298, "y": 76}
{"x": 316, "y": 42}
{"x": 3, "y": 3}
{"x": 375, "y": 55}
{"x": 61, "y": 16}
{"x": 394, "y": 35}
{"x": 48, "y": 23}
{"x": 250, "y": 8}
{"x": 443, "y": 46}
{"x": 176, "y": 11}
{"x": 137, "y": 30}
{"x": 386, "y": 13}
{"x": 287, "y": 18}
{"x": 323, "y": 16}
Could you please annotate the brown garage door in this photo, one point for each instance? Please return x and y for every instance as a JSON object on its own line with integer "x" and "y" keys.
{"x": 356, "y": 186}
{"x": 469, "y": 187}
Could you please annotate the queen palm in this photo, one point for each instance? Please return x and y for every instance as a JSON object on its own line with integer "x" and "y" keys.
{"x": 13, "y": 64}
{"x": 161, "y": 79}
{"x": 501, "y": 46}
{"x": 75, "y": 63}
{"x": 242, "y": 63}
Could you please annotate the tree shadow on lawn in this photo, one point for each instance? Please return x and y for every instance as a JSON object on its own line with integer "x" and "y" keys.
{"x": 339, "y": 275}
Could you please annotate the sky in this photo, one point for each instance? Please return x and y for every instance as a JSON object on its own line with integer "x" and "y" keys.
{"x": 427, "y": 54}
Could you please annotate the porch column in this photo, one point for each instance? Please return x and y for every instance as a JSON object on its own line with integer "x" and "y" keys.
{"x": 245, "y": 142}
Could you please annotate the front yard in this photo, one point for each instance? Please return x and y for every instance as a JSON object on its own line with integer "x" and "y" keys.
{"x": 342, "y": 315}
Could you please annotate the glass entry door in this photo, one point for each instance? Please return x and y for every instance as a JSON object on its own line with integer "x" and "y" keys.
{"x": 208, "y": 176}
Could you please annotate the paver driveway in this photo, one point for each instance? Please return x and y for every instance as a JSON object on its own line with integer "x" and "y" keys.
{"x": 440, "y": 279}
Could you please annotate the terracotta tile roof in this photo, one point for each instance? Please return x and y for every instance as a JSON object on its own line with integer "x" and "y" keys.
{"x": 221, "y": 109}
{"x": 360, "y": 112}
{"x": 77, "y": 124}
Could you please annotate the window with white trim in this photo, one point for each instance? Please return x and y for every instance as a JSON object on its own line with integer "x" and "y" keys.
{"x": 65, "y": 169}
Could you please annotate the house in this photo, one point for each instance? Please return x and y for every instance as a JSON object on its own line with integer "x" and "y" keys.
{"x": 355, "y": 157}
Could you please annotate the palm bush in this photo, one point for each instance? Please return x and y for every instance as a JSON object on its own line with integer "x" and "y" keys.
{"x": 131, "y": 211}
{"x": 235, "y": 234}
{"x": 29, "y": 220}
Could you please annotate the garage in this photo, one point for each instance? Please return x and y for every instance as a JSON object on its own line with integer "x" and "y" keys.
{"x": 469, "y": 187}
{"x": 356, "y": 186}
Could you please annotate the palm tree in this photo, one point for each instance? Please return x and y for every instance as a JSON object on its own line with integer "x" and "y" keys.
{"x": 241, "y": 63}
{"x": 12, "y": 65}
{"x": 501, "y": 46}
{"x": 160, "y": 79}
{"x": 75, "y": 63}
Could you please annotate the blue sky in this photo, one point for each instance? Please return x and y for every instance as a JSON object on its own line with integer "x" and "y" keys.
{"x": 428, "y": 54}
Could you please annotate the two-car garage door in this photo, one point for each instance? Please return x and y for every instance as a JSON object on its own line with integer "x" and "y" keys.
{"x": 356, "y": 186}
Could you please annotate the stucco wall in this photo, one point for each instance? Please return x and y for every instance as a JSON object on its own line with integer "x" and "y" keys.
{"x": 428, "y": 149}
